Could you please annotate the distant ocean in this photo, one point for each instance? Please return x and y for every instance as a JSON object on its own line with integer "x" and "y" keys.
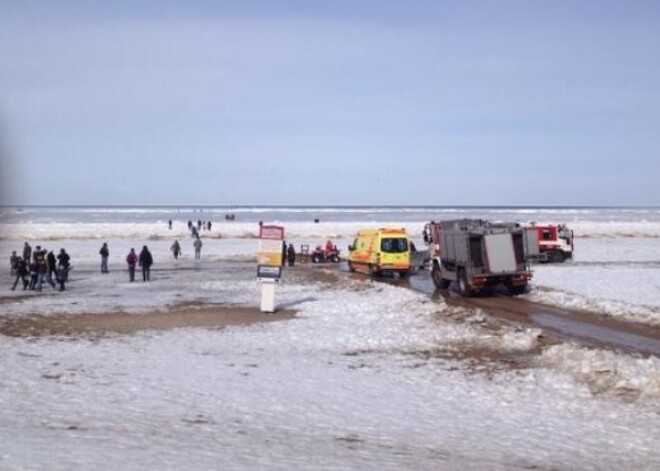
{"x": 143, "y": 214}
{"x": 150, "y": 222}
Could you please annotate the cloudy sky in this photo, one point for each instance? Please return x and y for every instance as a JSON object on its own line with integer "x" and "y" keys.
{"x": 427, "y": 102}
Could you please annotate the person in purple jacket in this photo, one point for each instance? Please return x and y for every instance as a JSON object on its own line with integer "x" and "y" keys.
{"x": 131, "y": 260}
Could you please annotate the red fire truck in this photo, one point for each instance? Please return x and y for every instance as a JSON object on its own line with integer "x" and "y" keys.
{"x": 555, "y": 242}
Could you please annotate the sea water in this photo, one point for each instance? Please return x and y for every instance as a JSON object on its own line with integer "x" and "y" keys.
{"x": 55, "y": 222}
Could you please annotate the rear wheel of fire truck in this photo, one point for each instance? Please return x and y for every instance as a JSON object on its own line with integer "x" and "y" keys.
{"x": 517, "y": 290}
{"x": 558, "y": 256}
{"x": 463, "y": 286}
{"x": 334, "y": 258}
{"x": 316, "y": 258}
{"x": 437, "y": 278}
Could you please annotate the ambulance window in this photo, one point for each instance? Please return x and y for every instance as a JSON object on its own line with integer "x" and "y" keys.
{"x": 546, "y": 235}
{"x": 394, "y": 245}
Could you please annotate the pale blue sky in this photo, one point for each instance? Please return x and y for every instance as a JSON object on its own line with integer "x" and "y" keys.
{"x": 330, "y": 102}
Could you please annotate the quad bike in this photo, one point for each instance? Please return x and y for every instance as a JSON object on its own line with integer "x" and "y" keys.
{"x": 322, "y": 256}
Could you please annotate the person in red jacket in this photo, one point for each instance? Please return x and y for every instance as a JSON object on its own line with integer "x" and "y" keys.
{"x": 131, "y": 260}
{"x": 329, "y": 247}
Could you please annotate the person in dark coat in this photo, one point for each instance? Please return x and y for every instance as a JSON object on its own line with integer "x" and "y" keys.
{"x": 284, "y": 252}
{"x": 176, "y": 249}
{"x": 131, "y": 260}
{"x": 33, "y": 270}
{"x": 13, "y": 262}
{"x": 63, "y": 267}
{"x": 291, "y": 255}
{"x": 21, "y": 273}
{"x": 146, "y": 260}
{"x": 52, "y": 268}
{"x": 105, "y": 253}
{"x": 39, "y": 257}
{"x": 27, "y": 252}
{"x": 63, "y": 259}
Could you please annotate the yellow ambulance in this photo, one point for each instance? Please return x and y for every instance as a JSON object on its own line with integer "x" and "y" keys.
{"x": 380, "y": 251}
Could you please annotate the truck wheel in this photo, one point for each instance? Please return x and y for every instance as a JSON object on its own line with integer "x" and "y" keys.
{"x": 334, "y": 259}
{"x": 556, "y": 256}
{"x": 350, "y": 266}
{"x": 403, "y": 273}
{"x": 517, "y": 290}
{"x": 437, "y": 278}
{"x": 463, "y": 286}
{"x": 316, "y": 259}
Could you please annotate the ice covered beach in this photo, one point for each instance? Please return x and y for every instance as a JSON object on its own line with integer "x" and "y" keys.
{"x": 353, "y": 374}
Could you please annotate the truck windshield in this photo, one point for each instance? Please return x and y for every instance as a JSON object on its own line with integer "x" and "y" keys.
{"x": 394, "y": 245}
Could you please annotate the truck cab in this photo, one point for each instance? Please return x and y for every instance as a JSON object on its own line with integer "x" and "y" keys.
{"x": 555, "y": 242}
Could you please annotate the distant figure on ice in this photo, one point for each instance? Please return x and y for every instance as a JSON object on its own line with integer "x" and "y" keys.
{"x": 169, "y": 224}
{"x": 21, "y": 274}
{"x": 146, "y": 260}
{"x": 27, "y": 252}
{"x": 283, "y": 252}
{"x": 291, "y": 255}
{"x": 176, "y": 249}
{"x": 189, "y": 224}
{"x": 63, "y": 267}
{"x": 208, "y": 225}
{"x": 13, "y": 262}
{"x": 199, "y": 225}
{"x": 198, "y": 248}
{"x": 131, "y": 260}
{"x": 105, "y": 253}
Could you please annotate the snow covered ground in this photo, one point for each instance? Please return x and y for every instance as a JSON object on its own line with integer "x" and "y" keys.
{"x": 616, "y": 277}
{"x": 365, "y": 376}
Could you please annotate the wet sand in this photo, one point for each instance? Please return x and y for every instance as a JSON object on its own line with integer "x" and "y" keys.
{"x": 98, "y": 325}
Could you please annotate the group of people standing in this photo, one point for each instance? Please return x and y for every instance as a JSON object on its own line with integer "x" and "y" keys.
{"x": 288, "y": 254}
{"x": 144, "y": 259}
{"x": 39, "y": 265}
{"x": 196, "y": 229}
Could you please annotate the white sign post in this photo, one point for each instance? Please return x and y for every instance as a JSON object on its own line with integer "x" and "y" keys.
{"x": 269, "y": 264}
{"x": 268, "y": 296}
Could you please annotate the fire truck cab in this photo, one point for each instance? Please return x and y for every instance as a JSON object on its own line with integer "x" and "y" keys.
{"x": 555, "y": 242}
